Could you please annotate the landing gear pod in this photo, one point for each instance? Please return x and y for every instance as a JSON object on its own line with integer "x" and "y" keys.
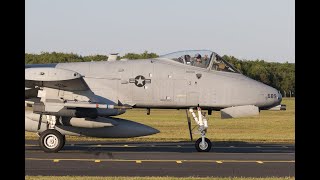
{"x": 51, "y": 141}
{"x": 239, "y": 111}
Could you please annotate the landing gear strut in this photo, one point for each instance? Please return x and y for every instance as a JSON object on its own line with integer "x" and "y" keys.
{"x": 203, "y": 144}
{"x": 51, "y": 140}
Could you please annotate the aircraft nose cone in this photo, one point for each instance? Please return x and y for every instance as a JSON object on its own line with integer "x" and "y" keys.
{"x": 273, "y": 96}
{"x": 277, "y": 96}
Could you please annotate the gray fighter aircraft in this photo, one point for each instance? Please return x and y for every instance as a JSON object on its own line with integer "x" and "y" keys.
{"x": 81, "y": 98}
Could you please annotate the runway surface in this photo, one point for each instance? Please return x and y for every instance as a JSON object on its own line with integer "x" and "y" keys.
{"x": 161, "y": 159}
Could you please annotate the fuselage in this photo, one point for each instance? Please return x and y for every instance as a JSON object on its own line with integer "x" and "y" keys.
{"x": 161, "y": 83}
{"x": 173, "y": 81}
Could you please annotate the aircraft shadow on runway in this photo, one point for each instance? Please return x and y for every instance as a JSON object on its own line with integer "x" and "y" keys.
{"x": 182, "y": 147}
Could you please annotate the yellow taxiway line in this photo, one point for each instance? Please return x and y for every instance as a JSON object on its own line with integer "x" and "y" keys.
{"x": 173, "y": 146}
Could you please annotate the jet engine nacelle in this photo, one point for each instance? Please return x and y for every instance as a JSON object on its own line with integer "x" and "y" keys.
{"x": 239, "y": 111}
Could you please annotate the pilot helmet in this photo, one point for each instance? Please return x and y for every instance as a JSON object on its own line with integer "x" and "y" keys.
{"x": 198, "y": 56}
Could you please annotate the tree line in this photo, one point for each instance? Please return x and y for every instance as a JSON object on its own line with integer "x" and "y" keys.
{"x": 278, "y": 75}
{"x": 56, "y": 57}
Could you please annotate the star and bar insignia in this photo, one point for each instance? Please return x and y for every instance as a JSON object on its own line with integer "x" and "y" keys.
{"x": 140, "y": 81}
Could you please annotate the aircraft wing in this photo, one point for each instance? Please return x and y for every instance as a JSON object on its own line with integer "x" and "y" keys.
{"x": 54, "y": 78}
{"x": 50, "y": 90}
{"x": 54, "y": 87}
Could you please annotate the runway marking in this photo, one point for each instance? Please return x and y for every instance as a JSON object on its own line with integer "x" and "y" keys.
{"x": 155, "y": 152}
{"x": 179, "y": 162}
{"x": 176, "y": 161}
{"x": 138, "y": 162}
{"x": 31, "y": 145}
{"x": 259, "y": 162}
{"x": 292, "y": 161}
{"x": 56, "y": 160}
{"x": 173, "y": 146}
{"x": 97, "y": 160}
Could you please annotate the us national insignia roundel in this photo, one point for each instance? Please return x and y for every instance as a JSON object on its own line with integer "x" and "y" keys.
{"x": 139, "y": 81}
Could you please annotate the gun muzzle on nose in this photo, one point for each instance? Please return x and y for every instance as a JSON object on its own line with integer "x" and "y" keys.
{"x": 279, "y": 97}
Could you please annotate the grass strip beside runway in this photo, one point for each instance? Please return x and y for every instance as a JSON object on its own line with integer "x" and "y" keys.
{"x": 269, "y": 126}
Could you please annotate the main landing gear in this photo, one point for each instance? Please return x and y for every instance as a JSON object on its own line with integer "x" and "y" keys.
{"x": 203, "y": 144}
{"x": 51, "y": 140}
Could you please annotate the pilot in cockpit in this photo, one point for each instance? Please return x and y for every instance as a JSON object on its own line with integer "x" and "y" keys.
{"x": 206, "y": 60}
{"x": 187, "y": 58}
{"x": 198, "y": 61}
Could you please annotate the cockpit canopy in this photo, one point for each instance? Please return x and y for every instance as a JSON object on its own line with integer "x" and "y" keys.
{"x": 201, "y": 58}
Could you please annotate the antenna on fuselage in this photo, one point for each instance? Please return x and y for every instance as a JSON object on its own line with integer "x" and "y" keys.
{"x": 113, "y": 57}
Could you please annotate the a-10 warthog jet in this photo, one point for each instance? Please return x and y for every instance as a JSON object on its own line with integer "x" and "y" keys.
{"x": 81, "y": 98}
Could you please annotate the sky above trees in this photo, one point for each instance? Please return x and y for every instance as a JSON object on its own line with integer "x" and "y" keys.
{"x": 246, "y": 29}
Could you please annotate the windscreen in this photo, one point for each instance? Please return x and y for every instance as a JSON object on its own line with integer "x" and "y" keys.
{"x": 219, "y": 64}
{"x": 198, "y": 58}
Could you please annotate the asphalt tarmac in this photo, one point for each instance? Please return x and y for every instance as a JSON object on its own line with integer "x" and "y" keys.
{"x": 180, "y": 159}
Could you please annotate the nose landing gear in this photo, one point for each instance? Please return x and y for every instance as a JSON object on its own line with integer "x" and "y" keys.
{"x": 203, "y": 144}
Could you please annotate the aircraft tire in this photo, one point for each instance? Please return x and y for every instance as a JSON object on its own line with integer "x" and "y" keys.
{"x": 51, "y": 141}
{"x": 207, "y": 146}
{"x": 64, "y": 140}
